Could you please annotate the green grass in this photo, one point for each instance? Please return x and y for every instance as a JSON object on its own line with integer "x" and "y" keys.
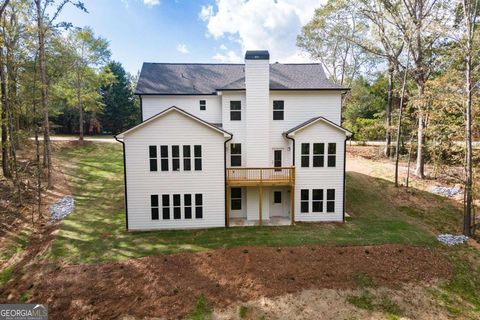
{"x": 202, "y": 310}
{"x": 5, "y": 275}
{"x": 95, "y": 231}
{"x": 242, "y": 312}
{"x": 16, "y": 245}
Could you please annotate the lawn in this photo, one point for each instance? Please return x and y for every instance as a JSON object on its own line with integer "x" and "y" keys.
{"x": 95, "y": 231}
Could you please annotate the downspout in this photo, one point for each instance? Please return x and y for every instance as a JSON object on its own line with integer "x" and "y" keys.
{"x": 225, "y": 177}
{"x": 293, "y": 149}
{"x": 124, "y": 181}
{"x": 345, "y": 174}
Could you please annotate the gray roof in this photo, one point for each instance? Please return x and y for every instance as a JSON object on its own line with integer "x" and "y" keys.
{"x": 309, "y": 121}
{"x": 193, "y": 78}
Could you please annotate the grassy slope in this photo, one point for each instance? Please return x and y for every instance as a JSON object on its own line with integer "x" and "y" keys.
{"x": 95, "y": 232}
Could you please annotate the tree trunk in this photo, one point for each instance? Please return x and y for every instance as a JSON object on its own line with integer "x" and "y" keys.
{"x": 44, "y": 91}
{"x": 388, "y": 136}
{"x": 5, "y": 149}
{"x": 80, "y": 136}
{"x": 400, "y": 120}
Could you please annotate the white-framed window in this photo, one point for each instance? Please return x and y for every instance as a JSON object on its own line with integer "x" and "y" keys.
{"x": 187, "y": 158}
{"x": 236, "y": 154}
{"x": 317, "y": 200}
{"x": 177, "y": 209}
{"x": 197, "y": 153}
{"x": 165, "y": 206}
{"x": 235, "y": 110}
{"x": 305, "y": 155}
{"x": 318, "y": 154}
{"x": 332, "y": 154}
{"x": 203, "y": 105}
{"x": 175, "y": 158}
{"x": 152, "y": 152}
{"x": 164, "y": 158}
{"x": 198, "y": 206}
{"x": 187, "y": 206}
{"x": 304, "y": 200}
{"x": 278, "y": 109}
{"x": 154, "y": 206}
{"x": 330, "y": 200}
{"x": 236, "y": 198}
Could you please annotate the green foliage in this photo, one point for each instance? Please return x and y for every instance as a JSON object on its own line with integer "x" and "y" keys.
{"x": 242, "y": 312}
{"x": 202, "y": 310}
{"x": 122, "y": 110}
{"x": 5, "y": 275}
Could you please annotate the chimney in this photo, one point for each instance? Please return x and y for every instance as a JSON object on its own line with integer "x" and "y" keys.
{"x": 257, "y": 85}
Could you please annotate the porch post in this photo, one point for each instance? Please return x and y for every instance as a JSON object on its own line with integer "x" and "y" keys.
{"x": 260, "y": 205}
{"x": 227, "y": 206}
{"x": 292, "y": 205}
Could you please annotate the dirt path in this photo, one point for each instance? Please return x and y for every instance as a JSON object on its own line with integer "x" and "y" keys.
{"x": 169, "y": 285}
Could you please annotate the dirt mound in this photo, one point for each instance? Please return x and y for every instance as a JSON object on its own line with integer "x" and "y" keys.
{"x": 169, "y": 285}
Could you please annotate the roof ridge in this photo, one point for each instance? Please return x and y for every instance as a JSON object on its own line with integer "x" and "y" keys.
{"x": 196, "y": 63}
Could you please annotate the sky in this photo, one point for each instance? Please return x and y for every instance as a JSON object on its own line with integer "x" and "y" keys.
{"x": 195, "y": 30}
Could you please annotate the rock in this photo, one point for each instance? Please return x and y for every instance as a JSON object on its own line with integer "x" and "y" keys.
{"x": 451, "y": 240}
{"x": 62, "y": 208}
{"x": 446, "y": 191}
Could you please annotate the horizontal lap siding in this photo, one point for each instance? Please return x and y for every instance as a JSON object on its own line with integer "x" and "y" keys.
{"x": 237, "y": 128}
{"x": 320, "y": 178}
{"x": 152, "y": 105}
{"x": 174, "y": 129}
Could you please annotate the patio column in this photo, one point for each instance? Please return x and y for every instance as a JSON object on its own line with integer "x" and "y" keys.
{"x": 260, "y": 196}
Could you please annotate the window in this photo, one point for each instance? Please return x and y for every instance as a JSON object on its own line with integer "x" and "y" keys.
{"x": 332, "y": 154}
{"x": 278, "y": 106}
{"x": 317, "y": 200}
{"x": 235, "y": 154}
{"x": 318, "y": 154}
{"x": 277, "y": 197}
{"x": 330, "y": 200}
{"x": 197, "y": 150}
{"x": 154, "y": 205}
{"x": 187, "y": 158}
{"x": 198, "y": 206}
{"x": 164, "y": 157}
{"x": 152, "y": 150}
{"x": 235, "y": 110}
{"x": 175, "y": 158}
{"x": 187, "y": 203}
{"x": 203, "y": 105}
{"x": 176, "y": 207}
{"x": 305, "y": 154}
{"x": 165, "y": 206}
{"x": 304, "y": 200}
{"x": 236, "y": 198}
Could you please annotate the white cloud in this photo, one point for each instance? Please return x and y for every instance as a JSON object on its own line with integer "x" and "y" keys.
{"x": 229, "y": 56}
{"x": 261, "y": 24}
{"x": 223, "y": 47}
{"x": 182, "y": 48}
{"x": 151, "y": 3}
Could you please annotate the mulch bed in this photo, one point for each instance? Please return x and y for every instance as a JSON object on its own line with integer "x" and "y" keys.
{"x": 169, "y": 285}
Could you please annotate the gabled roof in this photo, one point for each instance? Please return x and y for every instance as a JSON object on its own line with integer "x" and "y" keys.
{"x": 314, "y": 120}
{"x": 174, "y": 109}
{"x": 196, "y": 79}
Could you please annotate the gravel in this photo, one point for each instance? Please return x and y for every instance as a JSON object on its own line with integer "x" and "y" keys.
{"x": 62, "y": 208}
{"x": 446, "y": 191}
{"x": 451, "y": 240}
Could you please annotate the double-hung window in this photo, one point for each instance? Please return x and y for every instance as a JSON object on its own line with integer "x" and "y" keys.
{"x": 317, "y": 200}
{"x": 332, "y": 154}
{"x": 236, "y": 155}
{"x": 278, "y": 109}
{"x": 203, "y": 104}
{"x": 235, "y": 110}
{"x": 176, "y": 158}
{"x": 304, "y": 198}
{"x": 176, "y": 207}
{"x": 305, "y": 154}
{"x": 164, "y": 158}
{"x": 236, "y": 198}
{"x": 197, "y": 152}
{"x": 154, "y": 206}
{"x": 165, "y": 206}
{"x": 330, "y": 200}
{"x": 198, "y": 206}
{"x": 187, "y": 158}
{"x": 318, "y": 154}
{"x": 152, "y": 150}
{"x": 187, "y": 204}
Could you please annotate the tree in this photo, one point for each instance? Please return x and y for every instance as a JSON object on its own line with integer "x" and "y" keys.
{"x": 327, "y": 38}
{"x": 120, "y": 111}
{"x": 87, "y": 55}
{"x": 5, "y": 154}
{"x": 422, "y": 24}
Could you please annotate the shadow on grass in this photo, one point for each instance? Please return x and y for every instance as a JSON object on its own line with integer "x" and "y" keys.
{"x": 95, "y": 231}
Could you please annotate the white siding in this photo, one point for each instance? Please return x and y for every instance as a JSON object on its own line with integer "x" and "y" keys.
{"x": 320, "y": 178}
{"x": 152, "y": 105}
{"x": 237, "y": 128}
{"x": 174, "y": 128}
{"x": 257, "y": 74}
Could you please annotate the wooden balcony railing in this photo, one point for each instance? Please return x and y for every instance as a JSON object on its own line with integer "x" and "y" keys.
{"x": 275, "y": 176}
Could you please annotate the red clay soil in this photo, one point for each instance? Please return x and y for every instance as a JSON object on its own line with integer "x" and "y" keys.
{"x": 169, "y": 285}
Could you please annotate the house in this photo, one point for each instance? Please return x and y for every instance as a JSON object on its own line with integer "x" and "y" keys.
{"x": 222, "y": 144}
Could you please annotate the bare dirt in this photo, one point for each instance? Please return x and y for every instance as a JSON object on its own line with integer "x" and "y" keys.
{"x": 169, "y": 285}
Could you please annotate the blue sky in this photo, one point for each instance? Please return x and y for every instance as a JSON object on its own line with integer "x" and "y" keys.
{"x": 195, "y": 31}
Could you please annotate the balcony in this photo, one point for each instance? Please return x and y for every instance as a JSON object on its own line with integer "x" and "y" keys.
{"x": 275, "y": 176}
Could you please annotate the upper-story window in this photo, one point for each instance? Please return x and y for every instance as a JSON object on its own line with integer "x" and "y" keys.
{"x": 176, "y": 158}
{"x": 152, "y": 150}
{"x": 197, "y": 153}
{"x": 332, "y": 154}
{"x": 278, "y": 108}
{"x": 236, "y": 154}
{"x": 318, "y": 154}
{"x": 203, "y": 104}
{"x": 235, "y": 110}
{"x": 305, "y": 154}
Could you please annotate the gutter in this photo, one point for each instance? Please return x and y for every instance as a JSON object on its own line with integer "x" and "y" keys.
{"x": 345, "y": 174}
{"x": 227, "y": 223}
{"x": 124, "y": 181}
{"x": 293, "y": 149}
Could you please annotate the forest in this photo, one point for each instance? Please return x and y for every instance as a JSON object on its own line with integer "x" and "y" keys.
{"x": 412, "y": 66}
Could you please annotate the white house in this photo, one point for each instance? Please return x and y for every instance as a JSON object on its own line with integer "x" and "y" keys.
{"x": 227, "y": 143}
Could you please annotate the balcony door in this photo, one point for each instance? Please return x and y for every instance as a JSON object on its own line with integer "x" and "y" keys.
{"x": 277, "y": 158}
